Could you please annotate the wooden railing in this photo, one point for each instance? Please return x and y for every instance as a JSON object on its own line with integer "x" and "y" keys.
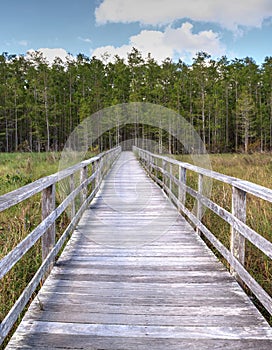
{"x": 46, "y": 229}
{"x": 160, "y": 170}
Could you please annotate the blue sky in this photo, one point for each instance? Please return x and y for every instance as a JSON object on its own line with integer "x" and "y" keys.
{"x": 165, "y": 28}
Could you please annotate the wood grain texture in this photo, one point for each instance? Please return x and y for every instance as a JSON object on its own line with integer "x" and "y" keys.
{"x": 115, "y": 288}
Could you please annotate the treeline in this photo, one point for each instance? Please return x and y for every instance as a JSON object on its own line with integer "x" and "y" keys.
{"x": 228, "y": 102}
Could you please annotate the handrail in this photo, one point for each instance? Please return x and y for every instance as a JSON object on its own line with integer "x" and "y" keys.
{"x": 46, "y": 229}
{"x": 240, "y": 231}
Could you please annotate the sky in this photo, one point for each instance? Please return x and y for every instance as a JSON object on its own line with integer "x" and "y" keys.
{"x": 177, "y": 29}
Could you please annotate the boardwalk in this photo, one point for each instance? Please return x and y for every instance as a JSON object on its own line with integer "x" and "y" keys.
{"x": 136, "y": 276}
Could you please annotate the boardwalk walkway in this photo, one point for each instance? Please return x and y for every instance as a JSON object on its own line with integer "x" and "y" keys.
{"x": 135, "y": 276}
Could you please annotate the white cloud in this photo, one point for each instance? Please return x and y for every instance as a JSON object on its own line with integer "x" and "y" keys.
{"x": 23, "y": 42}
{"x": 85, "y": 40}
{"x": 51, "y": 54}
{"x": 180, "y": 42}
{"x": 229, "y": 14}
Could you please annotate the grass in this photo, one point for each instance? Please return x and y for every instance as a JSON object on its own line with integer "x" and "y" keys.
{"x": 256, "y": 168}
{"x": 19, "y": 169}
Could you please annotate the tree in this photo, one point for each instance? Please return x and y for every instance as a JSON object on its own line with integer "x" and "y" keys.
{"x": 246, "y": 111}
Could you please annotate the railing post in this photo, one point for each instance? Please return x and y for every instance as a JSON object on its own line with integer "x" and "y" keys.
{"x": 170, "y": 177}
{"x": 150, "y": 164}
{"x": 95, "y": 170}
{"x": 237, "y": 241}
{"x": 163, "y": 175}
{"x": 99, "y": 168}
{"x": 83, "y": 177}
{"x": 72, "y": 187}
{"x": 48, "y": 206}
{"x": 156, "y": 169}
{"x": 181, "y": 189}
{"x": 199, "y": 213}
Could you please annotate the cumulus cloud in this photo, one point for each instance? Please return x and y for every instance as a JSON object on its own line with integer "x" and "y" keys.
{"x": 181, "y": 42}
{"x": 229, "y": 14}
{"x": 51, "y": 54}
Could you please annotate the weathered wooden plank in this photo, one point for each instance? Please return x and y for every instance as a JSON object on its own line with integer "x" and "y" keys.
{"x": 233, "y": 310}
{"x": 84, "y": 316}
{"x": 159, "y": 332}
{"x": 66, "y": 341}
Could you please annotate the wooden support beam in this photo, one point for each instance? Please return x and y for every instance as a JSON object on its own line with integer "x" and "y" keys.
{"x": 181, "y": 189}
{"x": 72, "y": 187}
{"x": 83, "y": 177}
{"x": 170, "y": 178}
{"x": 48, "y": 206}
{"x": 199, "y": 213}
{"x": 237, "y": 241}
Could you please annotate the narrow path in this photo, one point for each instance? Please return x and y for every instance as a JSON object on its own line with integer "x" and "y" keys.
{"x": 136, "y": 276}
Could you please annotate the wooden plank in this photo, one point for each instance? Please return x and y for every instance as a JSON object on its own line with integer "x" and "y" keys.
{"x": 66, "y": 341}
{"x": 167, "y": 310}
{"x": 158, "y": 332}
{"x": 81, "y": 316}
